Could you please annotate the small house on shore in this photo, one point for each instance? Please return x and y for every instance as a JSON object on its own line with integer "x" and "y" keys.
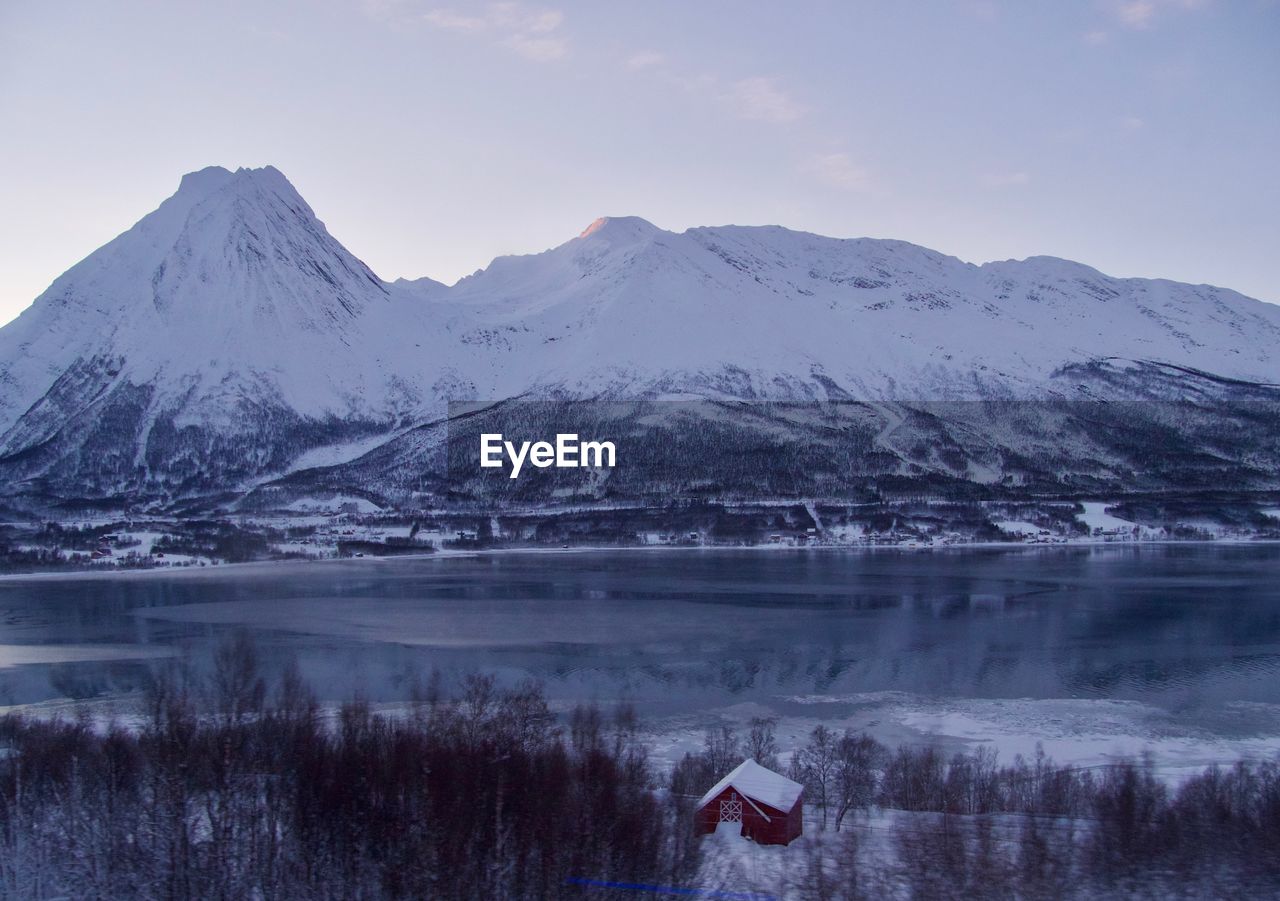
{"x": 768, "y": 805}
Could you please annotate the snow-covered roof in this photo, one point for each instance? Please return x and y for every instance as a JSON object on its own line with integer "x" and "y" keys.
{"x": 760, "y": 784}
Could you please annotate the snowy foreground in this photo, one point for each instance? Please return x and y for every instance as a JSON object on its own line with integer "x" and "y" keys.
{"x": 1118, "y": 840}
{"x": 882, "y": 852}
{"x": 1100, "y": 834}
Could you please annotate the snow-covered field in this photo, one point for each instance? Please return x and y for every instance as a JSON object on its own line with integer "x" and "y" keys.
{"x": 1018, "y": 527}
{"x": 1095, "y": 516}
{"x": 338, "y": 503}
{"x": 1072, "y": 731}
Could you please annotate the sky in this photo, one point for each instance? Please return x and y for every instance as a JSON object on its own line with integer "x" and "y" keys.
{"x": 1138, "y": 136}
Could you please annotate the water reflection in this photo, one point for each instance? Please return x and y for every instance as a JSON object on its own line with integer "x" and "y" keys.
{"x": 1180, "y": 626}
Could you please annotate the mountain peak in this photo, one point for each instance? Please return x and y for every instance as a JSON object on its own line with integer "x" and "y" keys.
{"x": 615, "y": 227}
{"x": 227, "y": 248}
{"x": 264, "y": 177}
{"x": 204, "y": 181}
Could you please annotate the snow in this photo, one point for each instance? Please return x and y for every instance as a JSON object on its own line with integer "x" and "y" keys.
{"x": 298, "y": 547}
{"x": 146, "y": 540}
{"x": 1095, "y": 516}
{"x": 1082, "y": 732}
{"x": 179, "y": 299}
{"x": 1018, "y": 527}
{"x": 333, "y": 504}
{"x": 759, "y": 784}
{"x": 336, "y": 454}
{"x": 1078, "y": 732}
{"x": 231, "y": 292}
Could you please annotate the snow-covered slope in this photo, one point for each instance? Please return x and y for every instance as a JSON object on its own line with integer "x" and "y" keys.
{"x": 231, "y": 281}
{"x": 773, "y": 312}
{"x": 226, "y": 323}
{"x": 227, "y": 338}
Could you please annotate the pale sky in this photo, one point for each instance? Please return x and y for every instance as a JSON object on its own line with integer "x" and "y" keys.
{"x": 1139, "y": 136}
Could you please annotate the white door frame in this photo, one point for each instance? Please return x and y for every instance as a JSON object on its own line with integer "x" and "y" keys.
{"x": 731, "y": 809}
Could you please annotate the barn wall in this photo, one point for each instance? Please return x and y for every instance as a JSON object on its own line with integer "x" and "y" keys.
{"x": 780, "y": 829}
{"x": 708, "y": 815}
{"x": 795, "y": 819}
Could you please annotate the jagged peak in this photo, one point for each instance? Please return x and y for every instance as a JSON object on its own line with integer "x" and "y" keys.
{"x": 204, "y": 181}
{"x": 267, "y": 177}
{"x": 216, "y": 181}
{"x": 207, "y": 243}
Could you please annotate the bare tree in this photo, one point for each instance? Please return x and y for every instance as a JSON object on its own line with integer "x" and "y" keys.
{"x": 526, "y": 721}
{"x": 762, "y": 743}
{"x": 586, "y": 727}
{"x": 238, "y": 690}
{"x": 476, "y": 707}
{"x": 857, "y": 761}
{"x": 815, "y": 767}
{"x": 720, "y": 748}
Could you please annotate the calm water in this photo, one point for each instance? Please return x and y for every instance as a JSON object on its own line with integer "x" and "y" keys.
{"x": 1186, "y": 628}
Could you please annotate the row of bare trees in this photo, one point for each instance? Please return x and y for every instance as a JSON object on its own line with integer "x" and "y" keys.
{"x": 232, "y": 789}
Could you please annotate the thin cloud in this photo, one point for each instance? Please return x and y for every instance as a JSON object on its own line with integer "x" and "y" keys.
{"x": 537, "y": 49}
{"x": 452, "y": 21}
{"x": 532, "y": 32}
{"x": 645, "y": 59}
{"x": 764, "y": 100}
{"x": 1006, "y": 179}
{"x": 1143, "y": 14}
{"x": 517, "y": 17}
{"x": 380, "y": 9}
{"x": 839, "y": 170}
{"x": 1136, "y": 13}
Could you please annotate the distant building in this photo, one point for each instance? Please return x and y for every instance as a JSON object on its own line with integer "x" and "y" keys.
{"x": 768, "y": 805}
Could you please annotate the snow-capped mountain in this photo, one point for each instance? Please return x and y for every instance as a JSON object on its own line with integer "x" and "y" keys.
{"x": 227, "y": 340}
{"x": 770, "y": 312}
{"x": 222, "y": 335}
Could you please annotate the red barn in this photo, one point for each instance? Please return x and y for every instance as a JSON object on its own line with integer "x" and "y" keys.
{"x": 768, "y": 805}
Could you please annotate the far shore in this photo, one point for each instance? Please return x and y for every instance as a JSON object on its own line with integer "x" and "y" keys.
{"x": 213, "y": 570}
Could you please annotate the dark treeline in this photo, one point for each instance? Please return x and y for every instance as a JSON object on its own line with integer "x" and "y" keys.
{"x": 231, "y": 789}
{"x": 964, "y": 826}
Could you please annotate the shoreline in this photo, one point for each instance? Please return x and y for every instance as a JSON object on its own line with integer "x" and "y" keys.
{"x": 103, "y": 572}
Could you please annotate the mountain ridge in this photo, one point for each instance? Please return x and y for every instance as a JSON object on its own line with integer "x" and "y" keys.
{"x": 227, "y": 336}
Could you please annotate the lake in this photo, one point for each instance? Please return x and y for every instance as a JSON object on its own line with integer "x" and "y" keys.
{"x": 1090, "y": 650}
